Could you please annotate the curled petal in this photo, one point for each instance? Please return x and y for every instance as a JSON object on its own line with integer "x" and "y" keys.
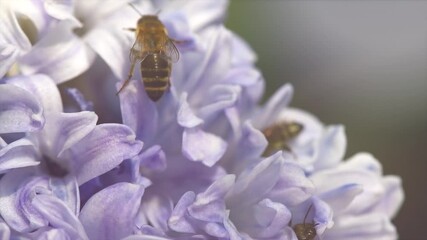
{"x": 270, "y": 218}
{"x": 20, "y": 153}
{"x": 210, "y": 205}
{"x": 18, "y": 188}
{"x": 59, "y": 49}
{"x": 153, "y": 158}
{"x": 250, "y": 146}
{"x": 60, "y": 9}
{"x": 43, "y": 88}
{"x": 340, "y": 198}
{"x": 13, "y": 42}
{"x": 292, "y": 187}
{"x": 179, "y": 218}
{"x": 66, "y": 129}
{"x": 59, "y": 215}
{"x": 157, "y": 209}
{"x": 19, "y": 110}
{"x": 110, "y": 213}
{"x": 198, "y": 145}
{"x": 102, "y": 150}
{"x": 393, "y": 196}
{"x": 332, "y": 147}
{"x": 186, "y": 117}
{"x": 220, "y": 98}
{"x": 252, "y": 185}
{"x": 274, "y": 106}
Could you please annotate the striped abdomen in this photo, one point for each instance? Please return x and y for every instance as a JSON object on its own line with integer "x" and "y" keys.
{"x": 155, "y": 71}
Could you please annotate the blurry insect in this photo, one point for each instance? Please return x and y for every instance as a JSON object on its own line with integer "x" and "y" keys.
{"x": 279, "y": 135}
{"x": 155, "y": 51}
{"x": 305, "y": 231}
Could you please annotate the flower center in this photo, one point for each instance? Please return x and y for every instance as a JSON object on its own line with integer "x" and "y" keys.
{"x": 28, "y": 28}
{"x": 54, "y": 168}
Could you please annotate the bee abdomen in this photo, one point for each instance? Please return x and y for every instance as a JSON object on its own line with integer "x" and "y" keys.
{"x": 155, "y": 73}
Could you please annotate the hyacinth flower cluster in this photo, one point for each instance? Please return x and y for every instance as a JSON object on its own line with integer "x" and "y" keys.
{"x": 192, "y": 165}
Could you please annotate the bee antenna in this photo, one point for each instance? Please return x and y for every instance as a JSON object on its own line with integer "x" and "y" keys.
{"x": 134, "y": 8}
{"x": 305, "y": 217}
{"x": 158, "y": 12}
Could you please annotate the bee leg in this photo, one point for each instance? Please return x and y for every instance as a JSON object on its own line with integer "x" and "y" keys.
{"x": 132, "y": 66}
{"x": 130, "y": 29}
{"x": 178, "y": 41}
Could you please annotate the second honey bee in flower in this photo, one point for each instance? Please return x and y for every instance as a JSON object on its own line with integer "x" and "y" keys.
{"x": 279, "y": 135}
{"x": 155, "y": 51}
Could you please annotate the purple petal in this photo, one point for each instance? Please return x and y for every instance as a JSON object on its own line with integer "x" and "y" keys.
{"x": 60, "y": 9}
{"x": 252, "y": 185}
{"x": 59, "y": 49}
{"x": 179, "y": 29}
{"x": 292, "y": 187}
{"x": 250, "y": 146}
{"x": 50, "y": 234}
{"x": 113, "y": 49}
{"x": 8, "y": 56}
{"x": 19, "y": 110}
{"x": 138, "y": 111}
{"x": 332, "y": 147}
{"x": 4, "y": 231}
{"x": 322, "y": 215}
{"x": 269, "y": 226}
{"x": 210, "y": 70}
{"x": 210, "y": 205}
{"x": 102, "y": 150}
{"x": 274, "y": 106}
{"x": 110, "y": 213}
{"x": 17, "y": 189}
{"x": 202, "y": 13}
{"x": 43, "y": 89}
{"x": 178, "y": 220}
{"x": 393, "y": 196}
{"x": 153, "y": 158}
{"x": 67, "y": 190}
{"x": 59, "y": 215}
{"x": 340, "y": 198}
{"x": 200, "y": 146}
{"x": 13, "y": 43}
{"x": 18, "y": 154}
{"x": 186, "y": 116}
{"x": 66, "y": 129}
{"x": 220, "y": 98}
{"x": 368, "y": 227}
{"x": 373, "y": 189}
{"x": 233, "y": 233}
{"x": 157, "y": 209}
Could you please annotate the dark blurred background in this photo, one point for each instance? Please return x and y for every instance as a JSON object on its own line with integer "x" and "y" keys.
{"x": 359, "y": 63}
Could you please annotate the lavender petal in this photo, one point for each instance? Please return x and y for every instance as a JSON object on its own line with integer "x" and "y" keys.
{"x": 110, "y": 213}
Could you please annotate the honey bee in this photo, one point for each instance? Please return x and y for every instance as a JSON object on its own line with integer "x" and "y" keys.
{"x": 156, "y": 52}
{"x": 279, "y": 135}
{"x": 305, "y": 231}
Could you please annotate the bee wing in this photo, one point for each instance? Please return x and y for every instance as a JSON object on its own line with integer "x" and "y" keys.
{"x": 170, "y": 51}
{"x": 137, "y": 52}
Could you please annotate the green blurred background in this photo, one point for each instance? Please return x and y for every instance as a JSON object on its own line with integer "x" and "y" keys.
{"x": 359, "y": 63}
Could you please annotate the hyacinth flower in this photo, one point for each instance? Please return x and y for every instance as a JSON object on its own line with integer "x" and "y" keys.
{"x": 67, "y": 151}
{"x": 209, "y": 167}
